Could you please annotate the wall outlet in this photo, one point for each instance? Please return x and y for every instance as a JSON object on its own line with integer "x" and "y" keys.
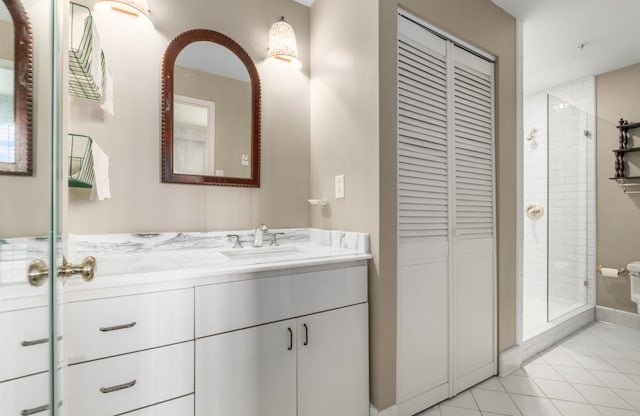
{"x": 339, "y": 186}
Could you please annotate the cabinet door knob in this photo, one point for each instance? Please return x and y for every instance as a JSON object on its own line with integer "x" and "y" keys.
{"x": 306, "y": 335}
{"x": 290, "y": 339}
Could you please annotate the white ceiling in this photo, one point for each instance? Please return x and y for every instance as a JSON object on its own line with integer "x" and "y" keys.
{"x": 553, "y": 29}
{"x": 4, "y": 13}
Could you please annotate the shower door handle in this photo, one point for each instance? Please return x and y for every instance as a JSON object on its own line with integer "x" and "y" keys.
{"x": 535, "y": 211}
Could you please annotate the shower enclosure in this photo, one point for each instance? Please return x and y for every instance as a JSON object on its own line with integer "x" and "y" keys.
{"x": 558, "y": 186}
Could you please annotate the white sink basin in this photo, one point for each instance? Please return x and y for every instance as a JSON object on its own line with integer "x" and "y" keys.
{"x": 261, "y": 253}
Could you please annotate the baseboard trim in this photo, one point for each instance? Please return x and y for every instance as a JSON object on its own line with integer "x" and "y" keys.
{"x": 560, "y": 329}
{"x": 389, "y": 411}
{"x": 618, "y": 317}
{"x": 509, "y": 360}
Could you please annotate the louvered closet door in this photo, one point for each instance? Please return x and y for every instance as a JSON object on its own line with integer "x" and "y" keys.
{"x": 473, "y": 274}
{"x": 446, "y": 290}
{"x": 423, "y": 216}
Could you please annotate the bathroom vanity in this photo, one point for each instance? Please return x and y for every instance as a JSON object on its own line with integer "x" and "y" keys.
{"x": 183, "y": 324}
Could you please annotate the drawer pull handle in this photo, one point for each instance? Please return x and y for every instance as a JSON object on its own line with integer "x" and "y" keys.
{"x": 117, "y": 327}
{"x": 34, "y": 342}
{"x": 35, "y": 410}
{"x": 306, "y": 335}
{"x": 128, "y": 385}
{"x": 290, "y": 339}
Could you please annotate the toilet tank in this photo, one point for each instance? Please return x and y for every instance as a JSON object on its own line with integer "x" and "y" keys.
{"x": 634, "y": 279}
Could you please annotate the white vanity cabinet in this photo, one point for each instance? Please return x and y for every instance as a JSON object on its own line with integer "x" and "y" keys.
{"x": 310, "y": 358}
{"x": 24, "y": 363}
{"x": 130, "y": 352}
{"x": 248, "y": 372}
{"x": 24, "y": 342}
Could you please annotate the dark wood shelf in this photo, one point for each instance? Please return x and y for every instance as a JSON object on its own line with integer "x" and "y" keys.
{"x": 629, "y": 126}
{"x": 629, "y": 150}
{"x": 631, "y": 179}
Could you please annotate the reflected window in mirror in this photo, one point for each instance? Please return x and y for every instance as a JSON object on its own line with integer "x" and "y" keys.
{"x": 15, "y": 89}
{"x": 211, "y": 112}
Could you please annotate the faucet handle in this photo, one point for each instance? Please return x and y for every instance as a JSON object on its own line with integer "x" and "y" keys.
{"x": 274, "y": 240}
{"x": 236, "y": 240}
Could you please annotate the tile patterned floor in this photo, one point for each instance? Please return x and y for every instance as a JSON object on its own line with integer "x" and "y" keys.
{"x": 595, "y": 372}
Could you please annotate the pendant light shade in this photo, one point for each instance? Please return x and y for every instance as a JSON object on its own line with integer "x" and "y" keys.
{"x": 282, "y": 42}
{"x": 134, "y": 7}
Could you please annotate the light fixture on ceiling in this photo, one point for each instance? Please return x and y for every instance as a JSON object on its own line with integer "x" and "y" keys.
{"x": 133, "y": 7}
{"x": 282, "y": 42}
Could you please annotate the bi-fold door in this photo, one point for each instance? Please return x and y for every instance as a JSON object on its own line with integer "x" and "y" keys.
{"x": 446, "y": 218}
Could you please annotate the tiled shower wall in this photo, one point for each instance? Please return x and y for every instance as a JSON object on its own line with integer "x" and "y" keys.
{"x": 569, "y": 199}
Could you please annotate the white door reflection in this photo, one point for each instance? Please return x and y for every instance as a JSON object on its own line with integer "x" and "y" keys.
{"x": 193, "y": 136}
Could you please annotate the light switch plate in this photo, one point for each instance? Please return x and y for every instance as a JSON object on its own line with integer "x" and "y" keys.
{"x": 245, "y": 160}
{"x": 339, "y": 186}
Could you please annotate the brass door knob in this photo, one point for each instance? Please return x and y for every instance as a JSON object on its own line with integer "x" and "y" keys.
{"x": 39, "y": 271}
{"x": 535, "y": 211}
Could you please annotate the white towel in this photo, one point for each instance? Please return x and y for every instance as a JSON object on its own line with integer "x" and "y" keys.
{"x": 107, "y": 92}
{"x": 96, "y": 55}
{"x": 101, "y": 187}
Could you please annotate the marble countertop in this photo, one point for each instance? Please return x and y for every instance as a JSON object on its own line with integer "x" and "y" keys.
{"x": 137, "y": 263}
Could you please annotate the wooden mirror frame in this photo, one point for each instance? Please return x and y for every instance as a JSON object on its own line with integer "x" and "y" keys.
{"x": 22, "y": 91}
{"x": 168, "y": 62}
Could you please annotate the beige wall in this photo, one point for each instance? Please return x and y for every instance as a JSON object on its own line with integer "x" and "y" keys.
{"x": 131, "y": 138}
{"x": 344, "y": 140}
{"x": 25, "y": 202}
{"x": 232, "y": 115}
{"x": 618, "y": 214}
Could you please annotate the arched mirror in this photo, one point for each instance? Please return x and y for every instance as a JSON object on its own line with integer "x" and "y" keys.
{"x": 15, "y": 90}
{"x": 210, "y": 112}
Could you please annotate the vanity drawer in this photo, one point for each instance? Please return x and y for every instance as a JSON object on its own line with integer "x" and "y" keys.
{"x": 106, "y": 327}
{"x": 119, "y": 384}
{"x": 27, "y": 394}
{"x": 230, "y": 306}
{"x": 178, "y": 407}
{"x": 24, "y": 342}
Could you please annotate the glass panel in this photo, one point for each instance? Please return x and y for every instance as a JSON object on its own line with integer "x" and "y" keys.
{"x": 28, "y": 232}
{"x": 566, "y": 207}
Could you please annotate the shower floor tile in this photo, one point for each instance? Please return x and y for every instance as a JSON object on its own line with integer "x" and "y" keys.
{"x": 601, "y": 380}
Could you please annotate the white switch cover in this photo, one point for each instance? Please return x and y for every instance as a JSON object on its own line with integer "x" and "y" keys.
{"x": 339, "y": 186}
{"x": 245, "y": 160}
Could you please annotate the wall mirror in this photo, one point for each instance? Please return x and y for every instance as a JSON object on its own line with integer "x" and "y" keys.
{"x": 15, "y": 89}
{"x": 210, "y": 112}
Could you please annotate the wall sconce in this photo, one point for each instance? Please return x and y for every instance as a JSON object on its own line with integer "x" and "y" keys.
{"x": 282, "y": 43}
{"x": 133, "y": 7}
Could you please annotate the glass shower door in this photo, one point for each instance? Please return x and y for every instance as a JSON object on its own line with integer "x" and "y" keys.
{"x": 30, "y": 235}
{"x": 567, "y": 248}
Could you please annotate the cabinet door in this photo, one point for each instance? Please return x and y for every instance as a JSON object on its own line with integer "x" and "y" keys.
{"x": 248, "y": 372}
{"x": 333, "y": 363}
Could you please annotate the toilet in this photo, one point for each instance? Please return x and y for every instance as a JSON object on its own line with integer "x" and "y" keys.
{"x": 634, "y": 278}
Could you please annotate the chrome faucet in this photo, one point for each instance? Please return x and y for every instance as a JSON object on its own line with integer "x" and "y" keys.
{"x": 259, "y": 235}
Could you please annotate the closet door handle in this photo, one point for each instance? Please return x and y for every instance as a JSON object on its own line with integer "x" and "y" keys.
{"x": 306, "y": 335}
{"x": 35, "y": 410}
{"x": 128, "y": 385}
{"x": 34, "y": 342}
{"x": 290, "y": 347}
{"x": 117, "y": 327}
